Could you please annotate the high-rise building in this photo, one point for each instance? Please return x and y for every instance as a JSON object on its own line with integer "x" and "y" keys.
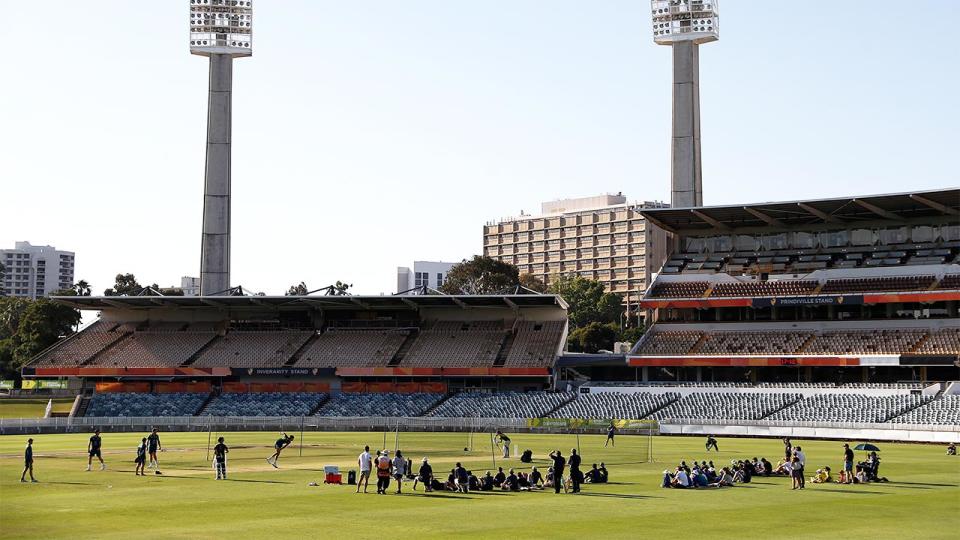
{"x": 430, "y": 274}
{"x": 190, "y": 286}
{"x": 602, "y": 238}
{"x": 684, "y": 25}
{"x": 35, "y": 271}
{"x": 221, "y": 30}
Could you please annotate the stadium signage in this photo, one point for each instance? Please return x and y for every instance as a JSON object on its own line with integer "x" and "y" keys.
{"x": 286, "y": 372}
{"x": 6, "y": 385}
{"x": 808, "y": 301}
{"x": 595, "y": 423}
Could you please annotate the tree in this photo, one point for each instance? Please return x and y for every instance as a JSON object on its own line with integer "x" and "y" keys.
{"x": 82, "y": 288}
{"x": 340, "y": 288}
{"x": 126, "y": 284}
{"x": 593, "y": 338}
{"x": 29, "y": 326}
{"x": 632, "y": 334}
{"x": 532, "y": 282}
{"x": 480, "y": 275}
{"x": 297, "y": 290}
{"x": 587, "y": 300}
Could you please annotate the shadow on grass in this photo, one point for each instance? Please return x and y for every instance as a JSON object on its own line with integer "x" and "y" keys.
{"x": 853, "y": 492}
{"x": 617, "y": 495}
{"x": 70, "y": 483}
{"x": 257, "y": 481}
{"x": 903, "y": 484}
{"x": 451, "y": 496}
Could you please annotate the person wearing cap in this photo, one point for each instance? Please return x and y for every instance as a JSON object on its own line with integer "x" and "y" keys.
{"x": 93, "y": 449}
{"x": 220, "y": 452}
{"x": 425, "y": 475}
{"x": 576, "y": 477}
{"x": 365, "y": 461}
{"x": 383, "y": 472}
{"x": 847, "y": 464}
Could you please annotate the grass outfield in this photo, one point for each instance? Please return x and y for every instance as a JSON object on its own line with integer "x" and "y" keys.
{"x": 32, "y": 408}
{"x": 921, "y": 501}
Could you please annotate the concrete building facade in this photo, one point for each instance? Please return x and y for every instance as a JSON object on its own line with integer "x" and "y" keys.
{"x": 430, "y": 274}
{"x": 190, "y": 286}
{"x": 602, "y": 238}
{"x": 36, "y": 271}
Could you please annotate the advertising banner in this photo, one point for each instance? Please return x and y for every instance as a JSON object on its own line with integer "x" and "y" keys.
{"x": 578, "y": 423}
{"x": 6, "y": 385}
{"x": 28, "y": 384}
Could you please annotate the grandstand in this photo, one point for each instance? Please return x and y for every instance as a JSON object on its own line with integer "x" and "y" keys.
{"x": 860, "y": 289}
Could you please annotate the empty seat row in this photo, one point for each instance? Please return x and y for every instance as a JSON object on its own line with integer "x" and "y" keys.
{"x": 726, "y": 405}
{"x": 385, "y": 404}
{"x": 501, "y": 404}
{"x": 848, "y": 408}
{"x": 609, "y": 405}
{"x": 264, "y": 404}
{"x": 144, "y": 404}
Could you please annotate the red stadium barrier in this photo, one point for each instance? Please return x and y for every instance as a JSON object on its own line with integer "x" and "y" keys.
{"x": 109, "y": 387}
{"x": 353, "y": 387}
{"x": 235, "y": 388}
{"x": 169, "y": 387}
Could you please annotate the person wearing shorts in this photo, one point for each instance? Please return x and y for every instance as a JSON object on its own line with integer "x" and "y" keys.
{"x": 847, "y": 463}
{"x": 611, "y": 431}
{"x": 278, "y": 447}
{"x": 93, "y": 449}
{"x": 154, "y": 446}
{"x": 141, "y": 458}
{"x": 399, "y": 469}
{"x": 383, "y": 472}
{"x": 364, "y": 462}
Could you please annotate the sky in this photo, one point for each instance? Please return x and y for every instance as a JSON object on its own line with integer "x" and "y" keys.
{"x": 369, "y": 134}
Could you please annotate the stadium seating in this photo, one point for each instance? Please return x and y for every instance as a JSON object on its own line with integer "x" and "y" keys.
{"x": 535, "y": 344}
{"x": 385, "y": 404}
{"x": 136, "y": 404}
{"x": 764, "y": 288}
{"x": 501, "y": 404}
{"x": 726, "y": 405}
{"x": 264, "y": 404}
{"x": 456, "y": 344}
{"x": 877, "y": 284}
{"x": 263, "y": 349}
{"x": 945, "y": 341}
{"x": 666, "y": 342}
{"x": 950, "y": 281}
{"x": 896, "y": 341}
{"x": 944, "y": 410}
{"x": 353, "y": 347}
{"x": 680, "y": 289}
{"x": 769, "y": 342}
{"x": 604, "y": 405}
{"x": 848, "y": 408}
{"x": 81, "y": 347}
{"x": 154, "y": 349}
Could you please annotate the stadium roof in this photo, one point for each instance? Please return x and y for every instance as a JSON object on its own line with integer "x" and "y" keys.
{"x": 792, "y": 215}
{"x": 404, "y": 302}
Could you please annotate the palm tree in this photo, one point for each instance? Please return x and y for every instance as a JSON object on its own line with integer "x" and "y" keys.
{"x": 82, "y": 288}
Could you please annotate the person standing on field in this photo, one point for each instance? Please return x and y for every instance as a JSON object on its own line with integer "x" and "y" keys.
{"x": 611, "y": 431}
{"x": 28, "y": 462}
{"x": 278, "y": 447}
{"x": 575, "y": 475}
{"x": 399, "y": 469}
{"x": 220, "y": 452}
{"x": 365, "y": 461}
{"x": 93, "y": 449}
{"x": 153, "y": 446}
{"x": 383, "y": 472}
{"x": 847, "y": 463}
{"x": 558, "y": 464}
{"x": 141, "y": 458}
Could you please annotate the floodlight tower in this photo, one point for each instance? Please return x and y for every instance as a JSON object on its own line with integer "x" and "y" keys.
{"x": 684, "y": 25}
{"x": 221, "y": 30}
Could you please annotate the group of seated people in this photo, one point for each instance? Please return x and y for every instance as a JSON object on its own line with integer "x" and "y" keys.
{"x": 706, "y": 474}
{"x": 865, "y": 471}
{"x": 462, "y": 480}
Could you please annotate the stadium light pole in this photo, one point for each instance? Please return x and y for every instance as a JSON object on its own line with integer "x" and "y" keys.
{"x": 684, "y": 25}
{"x": 221, "y": 30}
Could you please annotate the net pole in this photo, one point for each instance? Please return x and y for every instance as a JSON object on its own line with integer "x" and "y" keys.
{"x": 209, "y": 434}
{"x": 578, "y": 444}
{"x": 384, "y": 437}
{"x": 301, "y": 435}
{"x": 493, "y": 453}
{"x": 396, "y": 441}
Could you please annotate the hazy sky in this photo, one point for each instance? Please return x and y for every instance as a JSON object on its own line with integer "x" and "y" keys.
{"x": 368, "y": 134}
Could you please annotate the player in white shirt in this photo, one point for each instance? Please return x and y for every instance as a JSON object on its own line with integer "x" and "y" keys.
{"x": 364, "y": 462}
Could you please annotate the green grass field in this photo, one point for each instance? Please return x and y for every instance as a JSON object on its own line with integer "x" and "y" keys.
{"x": 32, "y": 408}
{"x": 922, "y": 500}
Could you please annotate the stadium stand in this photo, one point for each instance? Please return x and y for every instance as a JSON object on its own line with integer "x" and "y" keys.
{"x": 143, "y": 404}
{"x": 848, "y": 408}
{"x": 264, "y": 404}
{"x": 680, "y": 289}
{"x": 949, "y": 281}
{"x": 765, "y": 288}
{"x": 763, "y": 342}
{"x": 80, "y": 348}
{"x": 353, "y": 347}
{"x": 664, "y": 342}
{"x": 599, "y": 406}
{"x": 262, "y": 349}
{"x": 457, "y": 344}
{"x": 535, "y": 343}
{"x": 727, "y": 405}
{"x": 385, "y": 404}
{"x": 945, "y": 341}
{"x": 866, "y": 342}
{"x": 501, "y": 404}
{"x": 878, "y": 284}
{"x": 153, "y": 349}
{"x": 944, "y": 410}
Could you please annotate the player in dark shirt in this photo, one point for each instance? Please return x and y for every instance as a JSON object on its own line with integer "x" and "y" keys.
{"x": 425, "y": 475}
{"x": 576, "y": 476}
{"x": 220, "y": 452}
{"x": 611, "y": 431}
{"x": 278, "y": 447}
{"x": 28, "y": 462}
{"x": 712, "y": 443}
{"x": 141, "y": 458}
{"x": 93, "y": 449}
{"x": 558, "y": 464}
{"x": 154, "y": 446}
{"x": 504, "y": 441}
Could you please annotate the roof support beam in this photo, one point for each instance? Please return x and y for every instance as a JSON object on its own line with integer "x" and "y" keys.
{"x": 877, "y": 210}
{"x": 769, "y": 220}
{"x": 209, "y": 302}
{"x": 660, "y": 224}
{"x": 459, "y": 302}
{"x": 935, "y": 205}
{"x": 410, "y": 303}
{"x": 710, "y": 220}
{"x": 820, "y": 213}
{"x": 359, "y": 303}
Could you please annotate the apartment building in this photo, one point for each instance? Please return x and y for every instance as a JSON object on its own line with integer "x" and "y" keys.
{"x": 35, "y": 271}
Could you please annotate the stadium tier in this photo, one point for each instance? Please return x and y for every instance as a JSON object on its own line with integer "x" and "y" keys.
{"x": 501, "y": 404}
{"x": 726, "y": 406}
{"x": 344, "y": 347}
{"x": 382, "y": 404}
{"x": 145, "y": 404}
{"x": 849, "y": 408}
{"x": 457, "y": 344}
{"x": 263, "y": 349}
{"x": 607, "y": 405}
{"x": 264, "y": 404}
